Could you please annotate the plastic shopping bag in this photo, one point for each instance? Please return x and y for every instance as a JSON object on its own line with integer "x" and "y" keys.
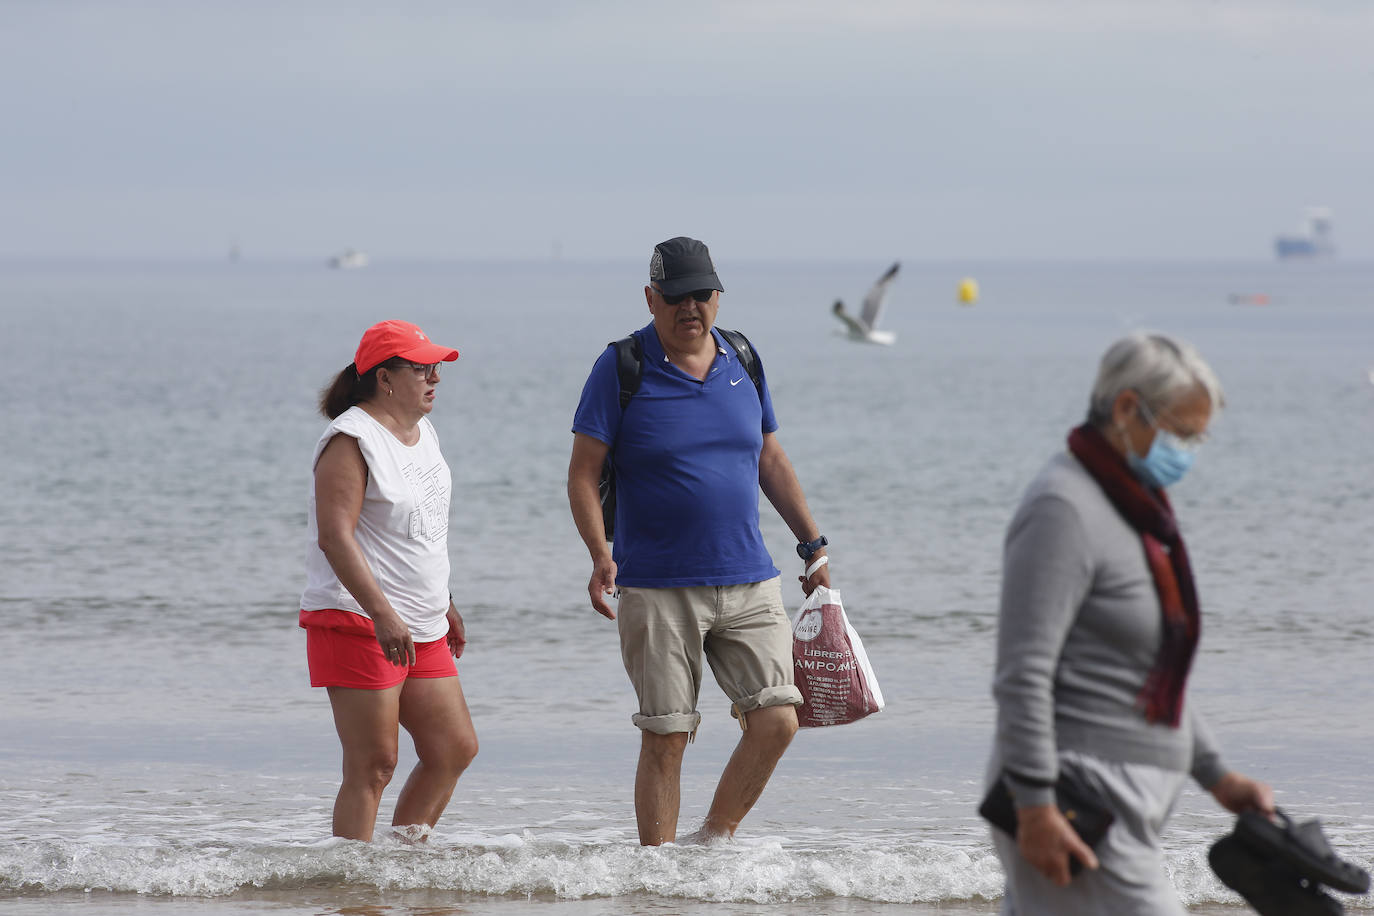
{"x": 830, "y": 666}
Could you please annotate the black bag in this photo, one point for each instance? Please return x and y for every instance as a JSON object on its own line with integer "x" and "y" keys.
{"x": 1086, "y": 813}
{"x": 629, "y": 367}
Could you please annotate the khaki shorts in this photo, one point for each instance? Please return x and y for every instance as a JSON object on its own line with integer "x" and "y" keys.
{"x": 743, "y": 630}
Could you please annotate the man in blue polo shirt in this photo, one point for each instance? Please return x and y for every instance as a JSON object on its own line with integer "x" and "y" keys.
{"x": 691, "y": 450}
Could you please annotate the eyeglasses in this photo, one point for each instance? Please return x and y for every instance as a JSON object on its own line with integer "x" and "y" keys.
{"x": 700, "y": 295}
{"x": 1188, "y": 440}
{"x": 425, "y": 370}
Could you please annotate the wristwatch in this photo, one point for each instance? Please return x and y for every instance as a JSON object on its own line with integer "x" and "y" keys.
{"x": 807, "y": 549}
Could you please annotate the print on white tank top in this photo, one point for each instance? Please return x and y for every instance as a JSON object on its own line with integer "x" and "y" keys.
{"x": 429, "y": 519}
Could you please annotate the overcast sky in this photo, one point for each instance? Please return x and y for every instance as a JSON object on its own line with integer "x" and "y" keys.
{"x": 790, "y": 129}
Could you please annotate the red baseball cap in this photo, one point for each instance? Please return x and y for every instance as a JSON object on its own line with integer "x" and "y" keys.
{"x": 386, "y": 339}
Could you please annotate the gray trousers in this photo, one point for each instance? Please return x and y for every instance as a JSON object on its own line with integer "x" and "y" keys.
{"x": 1132, "y": 879}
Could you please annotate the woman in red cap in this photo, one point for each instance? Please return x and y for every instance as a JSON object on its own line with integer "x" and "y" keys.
{"x": 382, "y": 631}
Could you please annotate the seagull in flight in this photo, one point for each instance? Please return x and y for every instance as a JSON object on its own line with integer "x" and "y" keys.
{"x": 864, "y": 327}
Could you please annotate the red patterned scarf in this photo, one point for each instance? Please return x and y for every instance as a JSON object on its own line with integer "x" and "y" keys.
{"x": 1147, "y": 510}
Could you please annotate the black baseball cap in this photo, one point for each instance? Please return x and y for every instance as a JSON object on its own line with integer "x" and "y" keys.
{"x": 681, "y": 265}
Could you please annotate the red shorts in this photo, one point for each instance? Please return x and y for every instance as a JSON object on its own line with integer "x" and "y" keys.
{"x": 342, "y": 650}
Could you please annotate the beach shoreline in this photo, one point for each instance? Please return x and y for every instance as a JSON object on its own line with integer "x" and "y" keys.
{"x": 367, "y": 901}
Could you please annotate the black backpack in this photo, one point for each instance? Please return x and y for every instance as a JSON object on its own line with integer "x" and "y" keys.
{"x": 629, "y": 366}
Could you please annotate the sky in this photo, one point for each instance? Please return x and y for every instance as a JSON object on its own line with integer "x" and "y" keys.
{"x": 774, "y": 129}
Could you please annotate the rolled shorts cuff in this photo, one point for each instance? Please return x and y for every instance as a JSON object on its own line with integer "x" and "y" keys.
{"x": 787, "y": 695}
{"x": 671, "y": 724}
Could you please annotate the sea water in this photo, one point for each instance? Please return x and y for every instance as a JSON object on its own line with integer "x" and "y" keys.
{"x": 161, "y": 749}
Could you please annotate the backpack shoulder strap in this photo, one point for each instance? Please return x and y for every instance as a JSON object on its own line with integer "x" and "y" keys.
{"x": 629, "y": 366}
{"x": 748, "y": 359}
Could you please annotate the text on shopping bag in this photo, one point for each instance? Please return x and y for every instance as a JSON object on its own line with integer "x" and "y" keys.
{"x": 830, "y": 667}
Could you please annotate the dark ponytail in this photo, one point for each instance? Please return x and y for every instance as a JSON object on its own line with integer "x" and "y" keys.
{"x": 349, "y": 388}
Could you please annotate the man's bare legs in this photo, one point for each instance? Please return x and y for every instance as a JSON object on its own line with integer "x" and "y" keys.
{"x": 766, "y": 736}
{"x": 658, "y": 789}
{"x": 658, "y": 780}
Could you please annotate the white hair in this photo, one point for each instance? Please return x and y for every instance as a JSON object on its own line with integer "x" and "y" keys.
{"x": 1156, "y": 367}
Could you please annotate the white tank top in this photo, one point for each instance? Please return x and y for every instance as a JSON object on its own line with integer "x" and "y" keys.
{"x": 402, "y": 529}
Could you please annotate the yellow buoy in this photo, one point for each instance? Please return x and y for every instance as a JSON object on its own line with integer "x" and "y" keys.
{"x": 968, "y": 291}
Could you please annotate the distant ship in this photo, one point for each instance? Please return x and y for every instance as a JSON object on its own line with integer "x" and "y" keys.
{"x": 348, "y": 259}
{"x": 1314, "y": 241}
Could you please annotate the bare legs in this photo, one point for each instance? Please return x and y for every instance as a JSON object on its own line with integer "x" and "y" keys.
{"x": 435, "y": 714}
{"x": 366, "y": 723}
{"x": 768, "y": 733}
{"x": 657, "y": 786}
{"x": 657, "y": 795}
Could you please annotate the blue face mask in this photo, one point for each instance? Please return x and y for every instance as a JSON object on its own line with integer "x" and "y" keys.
{"x": 1165, "y": 463}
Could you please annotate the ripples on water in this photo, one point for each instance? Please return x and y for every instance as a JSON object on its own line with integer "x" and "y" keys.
{"x": 159, "y": 739}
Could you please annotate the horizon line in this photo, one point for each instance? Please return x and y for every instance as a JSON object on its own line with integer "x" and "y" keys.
{"x": 374, "y": 261}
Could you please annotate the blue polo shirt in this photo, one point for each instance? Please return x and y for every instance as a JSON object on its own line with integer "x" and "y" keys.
{"x": 687, "y": 468}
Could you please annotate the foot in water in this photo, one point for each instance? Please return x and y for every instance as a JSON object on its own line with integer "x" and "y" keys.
{"x": 411, "y": 833}
{"x": 704, "y": 837}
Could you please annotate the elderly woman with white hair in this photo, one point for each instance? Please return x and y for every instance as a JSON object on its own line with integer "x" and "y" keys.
{"x": 1098, "y": 626}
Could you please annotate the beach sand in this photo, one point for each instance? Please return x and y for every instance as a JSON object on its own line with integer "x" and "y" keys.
{"x": 338, "y": 901}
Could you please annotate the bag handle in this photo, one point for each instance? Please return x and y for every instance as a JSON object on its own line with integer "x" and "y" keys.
{"x": 820, "y": 561}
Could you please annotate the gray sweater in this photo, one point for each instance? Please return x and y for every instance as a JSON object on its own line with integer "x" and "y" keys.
{"x": 1078, "y": 631}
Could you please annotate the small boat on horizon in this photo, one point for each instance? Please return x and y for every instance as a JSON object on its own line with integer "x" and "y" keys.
{"x": 348, "y": 259}
{"x": 1314, "y": 241}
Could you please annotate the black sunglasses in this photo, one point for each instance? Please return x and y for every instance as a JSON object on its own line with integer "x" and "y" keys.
{"x": 700, "y": 295}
